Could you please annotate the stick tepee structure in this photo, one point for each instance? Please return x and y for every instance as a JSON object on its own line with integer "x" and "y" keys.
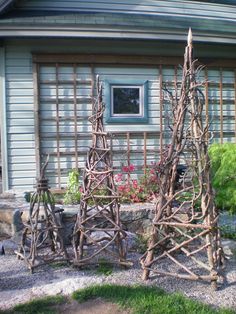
{"x": 185, "y": 227}
{"x": 98, "y": 234}
{"x": 42, "y": 238}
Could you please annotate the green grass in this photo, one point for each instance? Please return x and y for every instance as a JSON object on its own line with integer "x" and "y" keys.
{"x": 39, "y": 306}
{"x": 146, "y": 300}
{"x": 139, "y": 299}
{"x": 104, "y": 268}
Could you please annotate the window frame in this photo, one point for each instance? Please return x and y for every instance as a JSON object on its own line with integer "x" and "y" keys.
{"x": 142, "y": 117}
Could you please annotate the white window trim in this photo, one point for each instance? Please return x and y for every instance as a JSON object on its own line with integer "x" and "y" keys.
{"x": 141, "y": 101}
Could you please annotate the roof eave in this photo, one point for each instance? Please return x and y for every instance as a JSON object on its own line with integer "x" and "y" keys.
{"x": 111, "y": 33}
{"x": 6, "y": 5}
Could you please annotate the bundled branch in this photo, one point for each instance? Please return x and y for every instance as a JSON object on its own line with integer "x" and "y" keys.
{"x": 185, "y": 227}
{"x": 98, "y": 232}
{"x": 42, "y": 238}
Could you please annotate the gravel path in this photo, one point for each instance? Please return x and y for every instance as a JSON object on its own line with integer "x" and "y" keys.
{"x": 17, "y": 285}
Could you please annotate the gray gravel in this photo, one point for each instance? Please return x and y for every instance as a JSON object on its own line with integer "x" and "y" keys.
{"x": 17, "y": 285}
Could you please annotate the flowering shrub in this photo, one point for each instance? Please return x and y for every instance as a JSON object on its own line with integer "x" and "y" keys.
{"x": 144, "y": 189}
{"x": 132, "y": 190}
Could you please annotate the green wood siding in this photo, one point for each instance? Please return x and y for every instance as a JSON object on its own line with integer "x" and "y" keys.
{"x": 20, "y": 118}
{"x": 20, "y": 111}
{"x": 48, "y": 100}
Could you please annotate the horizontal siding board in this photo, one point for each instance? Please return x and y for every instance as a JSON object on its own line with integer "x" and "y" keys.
{"x": 25, "y": 62}
{"x": 25, "y": 70}
{"x": 21, "y": 137}
{"x": 22, "y": 167}
{"x": 27, "y": 152}
{"x": 21, "y": 129}
{"x": 21, "y": 159}
{"x": 20, "y": 100}
{"x": 20, "y": 107}
{"x": 24, "y": 174}
{"x": 24, "y": 183}
{"x": 20, "y": 144}
{"x": 28, "y": 85}
{"x": 20, "y": 92}
{"x": 20, "y": 115}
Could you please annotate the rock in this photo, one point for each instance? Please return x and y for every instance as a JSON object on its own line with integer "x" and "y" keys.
{"x": 17, "y": 224}
{"x": 5, "y": 228}
{"x": 227, "y": 219}
{"x": 2, "y": 249}
{"x": 6, "y": 195}
{"x": 9, "y": 246}
{"x": 132, "y": 241}
{"x": 139, "y": 219}
{"x": 68, "y": 222}
{"x": 6, "y": 214}
{"x": 229, "y": 247}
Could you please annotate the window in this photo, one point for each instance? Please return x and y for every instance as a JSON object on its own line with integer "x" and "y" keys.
{"x": 126, "y": 102}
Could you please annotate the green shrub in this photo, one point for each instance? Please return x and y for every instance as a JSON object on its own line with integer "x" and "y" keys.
{"x": 223, "y": 163}
{"x": 73, "y": 193}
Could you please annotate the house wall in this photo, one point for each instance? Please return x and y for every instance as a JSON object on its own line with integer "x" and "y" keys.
{"x": 21, "y": 120}
{"x": 20, "y": 109}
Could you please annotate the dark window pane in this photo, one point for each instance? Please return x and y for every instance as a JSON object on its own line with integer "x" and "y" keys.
{"x": 126, "y": 100}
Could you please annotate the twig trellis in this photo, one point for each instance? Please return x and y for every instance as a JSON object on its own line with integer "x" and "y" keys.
{"x": 185, "y": 227}
{"x": 98, "y": 233}
{"x": 42, "y": 238}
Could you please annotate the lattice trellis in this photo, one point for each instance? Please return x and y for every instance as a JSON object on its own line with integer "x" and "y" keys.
{"x": 185, "y": 241}
{"x": 42, "y": 238}
{"x": 98, "y": 233}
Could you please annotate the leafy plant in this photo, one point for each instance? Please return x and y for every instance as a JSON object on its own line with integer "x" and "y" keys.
{"x": 140, "y": 190}
{"x": 227, "y": 231}
{"x": 104, "y": 268}
{"x": 73, "y": 193}
{"x": 223, "y": 165}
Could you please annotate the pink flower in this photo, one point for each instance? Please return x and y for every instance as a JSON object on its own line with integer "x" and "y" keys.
{"x": 118, "y": 177}
{"x": 127, "y": 189}
{"x": 135, "y": 184}
{"x": 121, "y": 188}
{"x": 125, "y": 169}
{"x": 140, "y": 190}
{"x": 131, "y": 168}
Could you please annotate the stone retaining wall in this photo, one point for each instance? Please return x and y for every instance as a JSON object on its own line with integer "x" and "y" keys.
{"x": 135, "y": 218}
